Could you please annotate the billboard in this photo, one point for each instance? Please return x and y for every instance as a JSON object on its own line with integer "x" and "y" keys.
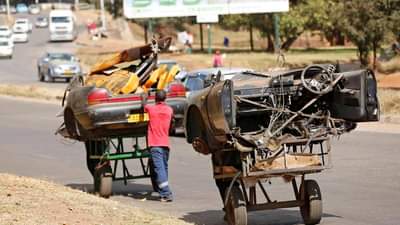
{"x": 178, "y": 8}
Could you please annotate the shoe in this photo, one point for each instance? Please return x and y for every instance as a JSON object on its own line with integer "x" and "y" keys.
{"x": 166, "y": 199}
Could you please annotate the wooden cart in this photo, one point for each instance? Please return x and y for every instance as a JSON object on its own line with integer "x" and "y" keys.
{"x": 293, "y": 162}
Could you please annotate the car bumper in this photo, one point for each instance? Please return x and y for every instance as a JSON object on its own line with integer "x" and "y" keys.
{"x": 64, "y": 75}
{"x": 62, "y": 37}
{"x": 6, "y": 53}
{"x": 115, "y": 116}
{"x": 20, "y": 40}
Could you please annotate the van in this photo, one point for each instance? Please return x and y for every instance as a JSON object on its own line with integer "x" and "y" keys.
{"x": 62, "y": 25}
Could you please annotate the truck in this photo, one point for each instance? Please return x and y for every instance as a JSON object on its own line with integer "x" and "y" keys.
{"x": 62, "y": 25}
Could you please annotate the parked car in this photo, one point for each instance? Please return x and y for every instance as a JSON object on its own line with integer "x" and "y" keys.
{"x": 6, "y": 48}
{"x": 21, "y": 8}
{"x": 22, "y": 25}
{"x": 41, "y": 22}
{"x": 199, "y": 79}
{"x": 20, "y": 37}
{"x": 13, "y": 10}
{"x": 34, "y": 9}
{"x": 3, "y": 9}
{"x": 259, "y": 110}
{"x": 52, "y": 66}
{"x": 92, "y": 112}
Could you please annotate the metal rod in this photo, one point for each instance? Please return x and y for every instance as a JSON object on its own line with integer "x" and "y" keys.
{"x": 295, "y": 189}
{"x": 275, "y": 205}
{"x": 264, "y": 191}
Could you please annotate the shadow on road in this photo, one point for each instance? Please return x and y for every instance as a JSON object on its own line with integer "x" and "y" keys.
{"x": 271, "y": 217}
{"x": 132, "y": 190}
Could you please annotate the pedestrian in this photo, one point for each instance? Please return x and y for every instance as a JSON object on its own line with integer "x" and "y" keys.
{"x": 217, "y": 59}
{"x": 226, "y": 42}
{"x": 160, "y": 116}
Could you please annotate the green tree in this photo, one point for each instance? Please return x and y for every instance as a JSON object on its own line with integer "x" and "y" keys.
{"x": 366, "y": 23}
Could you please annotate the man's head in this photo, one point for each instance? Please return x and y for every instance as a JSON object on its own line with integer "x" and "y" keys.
{"x": 160, "y": 96}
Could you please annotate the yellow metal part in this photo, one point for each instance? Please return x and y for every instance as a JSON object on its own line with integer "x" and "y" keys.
{"x": 131, "y": 85}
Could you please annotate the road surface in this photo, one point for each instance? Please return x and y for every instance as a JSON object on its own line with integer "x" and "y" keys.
{"x": 22, "y": 69}
{"x": 362, "y": 188}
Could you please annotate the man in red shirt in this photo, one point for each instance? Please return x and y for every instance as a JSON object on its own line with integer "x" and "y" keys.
{"x": 160, "y": 116}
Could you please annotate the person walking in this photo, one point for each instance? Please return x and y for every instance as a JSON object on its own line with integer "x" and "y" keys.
{"x": 160, "y": 116}
{"x": 217, "y": 59}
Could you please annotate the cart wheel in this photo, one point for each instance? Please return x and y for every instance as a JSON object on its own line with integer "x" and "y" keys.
{"x": 236, "y": 211}
{"x": 153, "y": 177}
{"x": 103, "y": 181}
{"x": 311, "y": 211}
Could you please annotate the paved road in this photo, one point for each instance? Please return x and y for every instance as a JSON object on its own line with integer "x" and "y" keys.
{"x": 22, "y": 68}
{"x": 362, "y": 188}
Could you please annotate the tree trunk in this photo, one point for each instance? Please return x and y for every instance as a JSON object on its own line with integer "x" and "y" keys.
{"x": 286, "y": 45}
{"x": 363, "y": 54}
{"x": 271, "y": 46}
{"x": 374, "y": 49}
{"x": 201, "y": 37}
{"x": 251, "y": 36}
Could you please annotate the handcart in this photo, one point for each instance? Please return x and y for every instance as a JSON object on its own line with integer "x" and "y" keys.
{"x": 240, "y": 177}
{"x": 106, "y": 156}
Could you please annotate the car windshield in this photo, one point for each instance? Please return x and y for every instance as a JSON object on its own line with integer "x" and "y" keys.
{"x": 41, "y": 19}
{"x": 19, "y": 32}
{"x": 4, "y": 36}
{"x": 194, "y": 83}
{"x": 60, "y": 19}
{"x": 3, "y": 29}
{"x": 63, "y": 57}
{"x": 20, "y": 22}
{"x": 3, "y": 43}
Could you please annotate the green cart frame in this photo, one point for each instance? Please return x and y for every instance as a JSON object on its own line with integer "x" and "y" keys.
{"x": 106, "y": 156}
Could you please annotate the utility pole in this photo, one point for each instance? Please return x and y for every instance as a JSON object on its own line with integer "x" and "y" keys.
{"x": 209, "y": 38}
{"x": 103, "y": 16}
{"x": 277, "y": 35}
{"x": 8, "y": 11}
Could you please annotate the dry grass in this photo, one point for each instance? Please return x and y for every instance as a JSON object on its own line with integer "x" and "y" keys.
{"x": 389, "y": 100}
{"x": 390, "y": 66}
{"x": 30, "y": 201}
{"x": 30, "y": 91}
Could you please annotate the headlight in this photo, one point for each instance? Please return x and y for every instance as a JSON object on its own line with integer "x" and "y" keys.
{"x": 58, "y": 70}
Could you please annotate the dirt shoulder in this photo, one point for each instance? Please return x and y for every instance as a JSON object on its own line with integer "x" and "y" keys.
{"x": 26, "y": 200}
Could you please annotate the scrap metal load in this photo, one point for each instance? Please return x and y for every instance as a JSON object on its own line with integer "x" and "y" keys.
{"x": 129, "y": 72}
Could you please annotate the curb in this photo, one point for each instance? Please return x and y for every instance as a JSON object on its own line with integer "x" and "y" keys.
{"x": 390, "y": 119}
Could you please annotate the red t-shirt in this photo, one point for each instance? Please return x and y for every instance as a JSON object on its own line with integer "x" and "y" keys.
{"x": 160, "y": 116}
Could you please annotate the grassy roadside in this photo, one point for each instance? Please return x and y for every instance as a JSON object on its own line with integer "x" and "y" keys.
{"x": 26, "y": 200}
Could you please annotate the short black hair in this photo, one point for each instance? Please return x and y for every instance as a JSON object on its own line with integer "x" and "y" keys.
{"x": 160, "y": 96}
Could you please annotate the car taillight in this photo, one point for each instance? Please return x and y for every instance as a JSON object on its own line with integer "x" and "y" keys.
{"x": 98, "y": 96}
{"x": 177, "y": 89}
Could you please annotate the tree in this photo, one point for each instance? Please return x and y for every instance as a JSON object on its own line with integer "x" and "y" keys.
{"x": 366, "y": 23}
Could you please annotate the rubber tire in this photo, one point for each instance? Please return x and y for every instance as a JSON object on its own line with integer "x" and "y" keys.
{"x": 236, "y": 211}
{"x": 103, "y": 181}
{"x": 41, "y": 76}
{"x": 311, "y": 211}
{"x": 50, "y": 78}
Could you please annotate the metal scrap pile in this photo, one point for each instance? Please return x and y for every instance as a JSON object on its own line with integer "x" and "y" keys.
{"x": 127, "y": 72}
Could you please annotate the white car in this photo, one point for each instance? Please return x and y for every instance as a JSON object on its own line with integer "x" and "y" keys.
{"x": 6, "y": 48}
{"x": 34, "y": 9}
{"x": 22, "y": 25}
{"x": 41, "y": 21}
{"x": 5, "y": 32}
{"x": 20, "y": 37}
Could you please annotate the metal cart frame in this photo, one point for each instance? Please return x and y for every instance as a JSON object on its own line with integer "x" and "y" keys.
{"x": 113, "y": 149}
{"x": 241, "y": 195}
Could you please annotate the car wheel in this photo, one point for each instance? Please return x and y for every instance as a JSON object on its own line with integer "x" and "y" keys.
{"x": 41, "y": 77}
{"x": 49, "y": 77}
{"x": 67, "y": 80}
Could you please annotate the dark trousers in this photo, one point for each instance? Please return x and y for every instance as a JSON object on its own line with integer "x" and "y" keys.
{"x": 160, "y": 156}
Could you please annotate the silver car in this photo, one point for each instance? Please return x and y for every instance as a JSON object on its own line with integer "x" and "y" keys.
{"x": 58, "y": 65}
